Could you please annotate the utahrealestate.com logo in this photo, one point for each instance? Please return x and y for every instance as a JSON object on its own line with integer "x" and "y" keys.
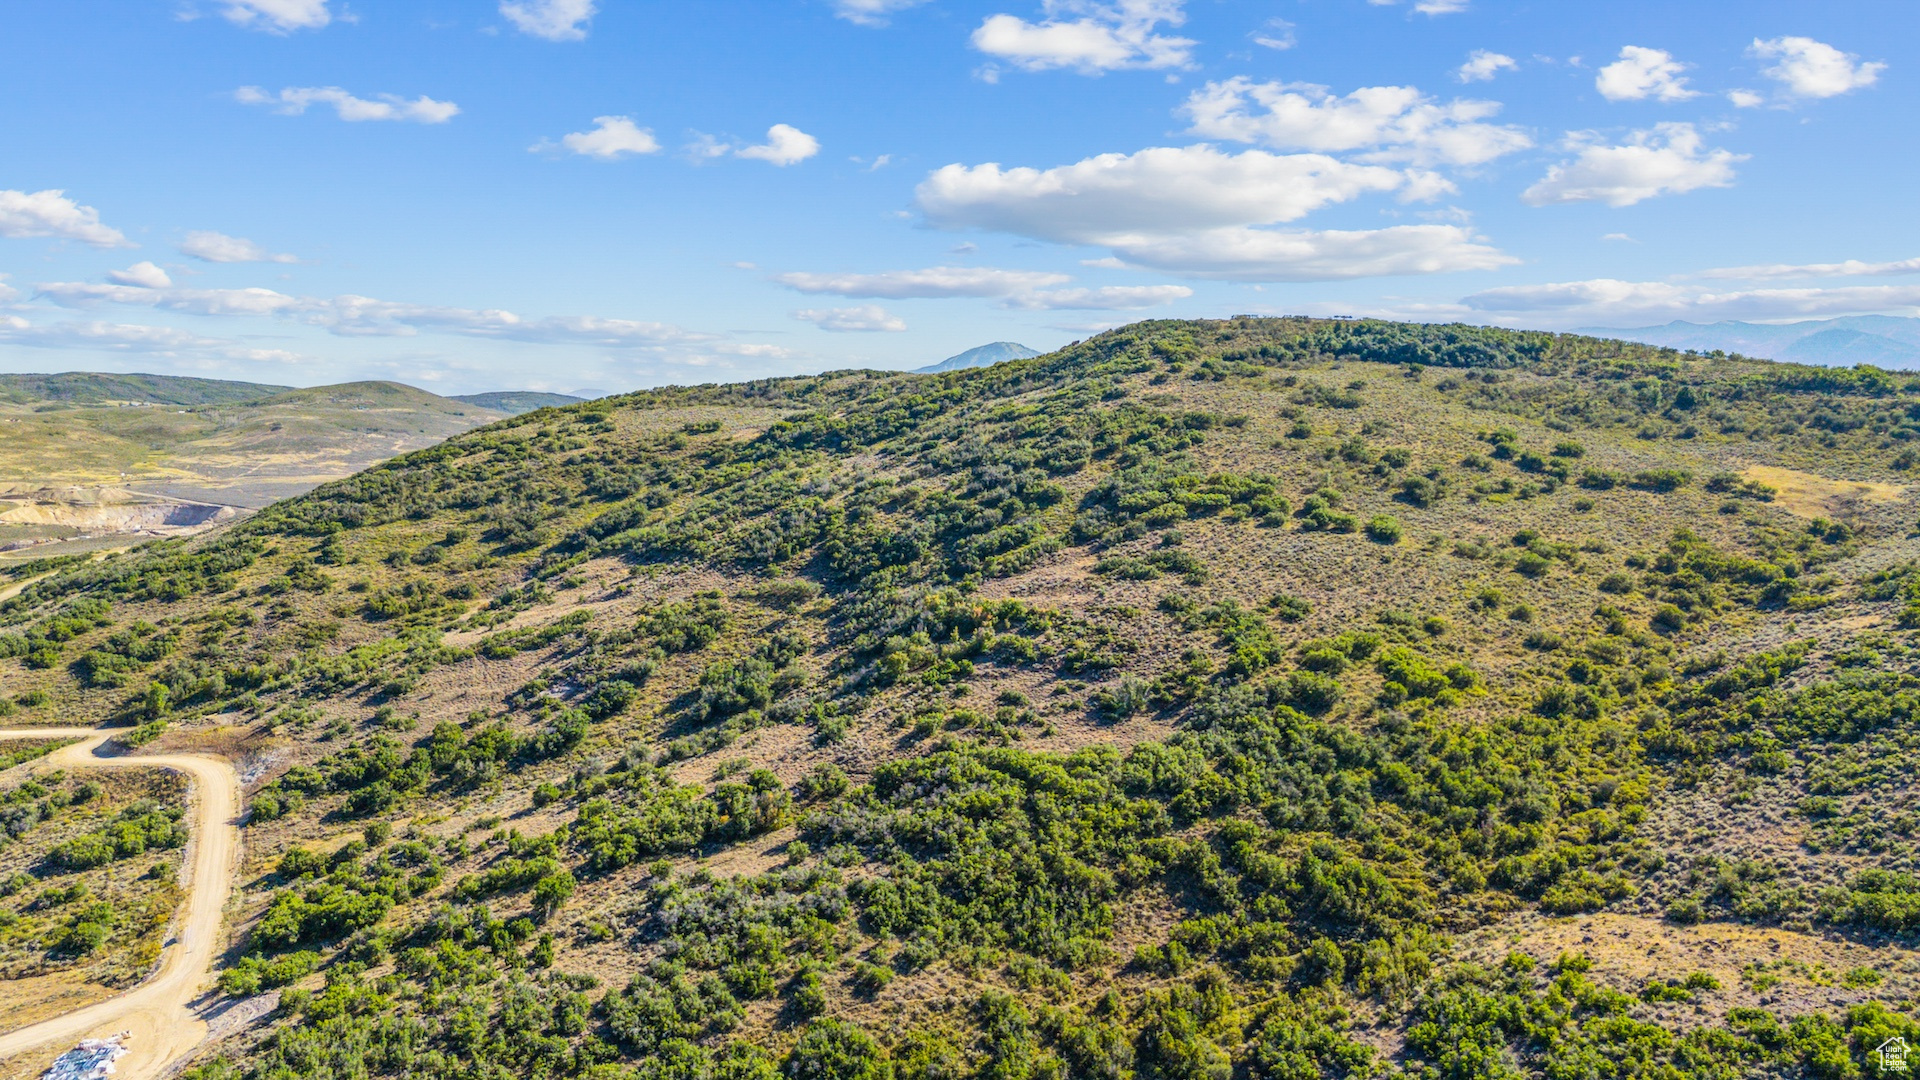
{"x": 1892, "y": 1055}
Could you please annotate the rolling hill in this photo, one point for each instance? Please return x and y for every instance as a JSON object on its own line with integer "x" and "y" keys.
{"x": 515, "y": 402}
{"x": 1262, "y": 697}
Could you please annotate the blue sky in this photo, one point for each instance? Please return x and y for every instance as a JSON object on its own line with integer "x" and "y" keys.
{"x": 562, "y": 194}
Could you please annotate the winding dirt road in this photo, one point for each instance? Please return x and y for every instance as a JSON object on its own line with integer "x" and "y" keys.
{"x": 158, "y": 1012}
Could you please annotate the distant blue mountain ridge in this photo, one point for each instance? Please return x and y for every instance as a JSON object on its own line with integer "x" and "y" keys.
{"x": 982, "y": 356}
{"x": 1886, "y": 341}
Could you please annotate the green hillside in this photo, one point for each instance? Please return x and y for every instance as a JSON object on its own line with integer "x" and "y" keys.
{"x": 515, "y": 402}
{"x": 96, "y": 388}
{"x": 1264, "y": 698}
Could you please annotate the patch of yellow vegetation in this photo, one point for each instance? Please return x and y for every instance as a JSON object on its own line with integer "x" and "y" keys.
{"x": 39, "y": 997}
{"x": 1769, "y": 966}
{"x": 1810, "y": 495}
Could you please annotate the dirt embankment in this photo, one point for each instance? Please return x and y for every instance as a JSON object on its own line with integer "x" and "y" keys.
{"x": 158, "y": 1014}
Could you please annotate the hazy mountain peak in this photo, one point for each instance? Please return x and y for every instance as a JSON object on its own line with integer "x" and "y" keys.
{"x": 981, "y": 356}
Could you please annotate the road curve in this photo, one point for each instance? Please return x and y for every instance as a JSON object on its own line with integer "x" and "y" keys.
{"x": 156, "y": 1013}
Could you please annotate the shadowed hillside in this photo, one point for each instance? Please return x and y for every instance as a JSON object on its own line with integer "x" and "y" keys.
{"x": 1264, "y": 698}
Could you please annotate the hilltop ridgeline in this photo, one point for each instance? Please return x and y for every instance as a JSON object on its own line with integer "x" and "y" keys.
{"x": 1207, "y": 699}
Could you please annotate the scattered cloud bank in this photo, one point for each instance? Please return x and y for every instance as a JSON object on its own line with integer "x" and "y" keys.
{"x": 1106, "y": 298}
{"x": 1428, "y": 7}
{"x": 214, "y": 247}
{"x": 1643, "y": 73}
{"x": 1848, "y": 268}
{"x": 1607, "y": 299}
{"x": 938, "y": 282}
{"x": 277, "y": 16}
{"x": 1387, "y": 123}
{"x": 364, "y": 316}
{"x": 1668, "y": 159}
{"x": 554, "y": 20}
{"x": 295, "y": 100}
{"x": 166, "y": 341}
{"x": 1483, "y": 64}
{"x": 612, "y": 137}
{"x": 865, "y": 319}
{"x": 49, "y": 213}
{"x": 1268, "y": 255}
{"x": 1103, "y": 37}
{"x": 1026, "y": 290}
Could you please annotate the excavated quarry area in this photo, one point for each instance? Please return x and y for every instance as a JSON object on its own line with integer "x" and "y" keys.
{"x": 32, "y": 516}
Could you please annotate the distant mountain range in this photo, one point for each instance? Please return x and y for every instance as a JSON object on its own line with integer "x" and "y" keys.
{"x": 983, "y": 356}
{"x": 1881, "y": 340}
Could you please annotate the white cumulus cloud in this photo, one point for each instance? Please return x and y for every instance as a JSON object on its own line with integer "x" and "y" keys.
{"x": 936, "y": 282}
{"x": 612, "y": 137}
{"x": 1389, "y": 123}
{"x": 1483, "y": 64}
{"x": 864, "y": 319}
{"x": 1198, "y": 211}
{"x": 1105, "y": 298}
{"x": 1161, "y": 190}
{"x": 554, "y": 20}
{"x": 144, "y": 275}
{"x": 1643, "y": 73}
{"x": 1104, "y": 36}
{"x": 1669, "y": 159}
{"x": 1813, "y": 69}
{"x": 278, "y": 16}
{"x": 785, "y": 145}
{"x": 209, "y": 246}
{"x": 25, "y": 215}
{"x": 871, "y": 12}
{"x": 295, "y": 100}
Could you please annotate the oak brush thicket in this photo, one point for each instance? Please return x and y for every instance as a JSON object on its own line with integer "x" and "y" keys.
{"x": 1189, "y": 703}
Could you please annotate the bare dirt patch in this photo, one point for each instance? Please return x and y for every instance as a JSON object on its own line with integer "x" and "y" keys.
{"x": 40, "y": 997}
{"x": 1787, "y": 971}
{"x": 1809, "y": 495}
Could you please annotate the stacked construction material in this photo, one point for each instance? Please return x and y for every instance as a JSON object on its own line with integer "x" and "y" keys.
{"x": 91, "y": 1060}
